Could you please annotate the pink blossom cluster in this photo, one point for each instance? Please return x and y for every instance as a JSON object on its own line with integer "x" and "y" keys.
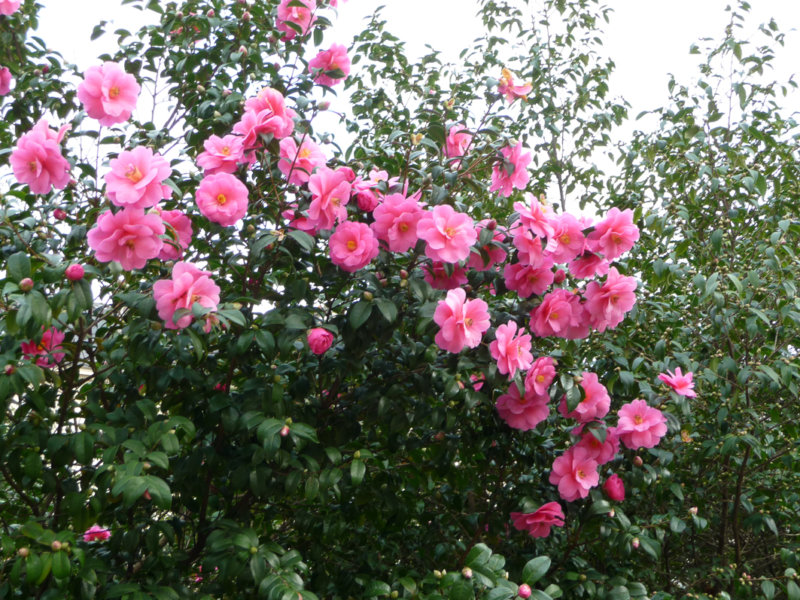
{"x": 188, "y": 285}
{"x": 48, "y": 351}
{"x": 37, "y": 160}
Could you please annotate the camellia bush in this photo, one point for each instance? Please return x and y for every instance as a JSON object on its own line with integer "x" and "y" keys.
{"x": 250, "y": 351}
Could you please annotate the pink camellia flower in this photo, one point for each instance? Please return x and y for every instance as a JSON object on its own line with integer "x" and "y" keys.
{"x": 510, "y": 90}
{"x": 561, "y": 315}
{"x": 529, "y": 248}
{"x": 95, "y": 533}
{"x": 461, "y": 321}
{"x": 602, "y": 452}
{"x": 187, "y": 286}
{"x": 523, "y": 412}
{"x": 607, "y": 305}
{"x": 48, "y": 351}
{"x": 535, "y": 216}
{"x": 108, "y": 93}
{"x": 588, "y": 265}
{"x": 680, "y": 383}
{"x": 297, "y": 164}
{"x": 74, "y": 272}
{"x": 614, "y": 488}
{"x": 37, "y": 160}
{"x": 527, "y": 280}
{"x": 512, "y": 171}
{"x": 575, "y": 473}
{"x": 353, "y": 246}
{"x": 319, "y": 340}
{"x": 221, "y": 155}
{"x": 640, "y": 425}
{"x": 539, "y": 522}
{"x": 9, "y": 7}
{"x": 594, "y": 405}
{"x": 396, "y": 220}
{"x": 302, "y": 17}
{"x": 5, "y": 81}
{"x": 614, "y": 235}
{"x": 438, "y": 278}
{"x": 511, "y": 351}
{"x": 457, "y": 142}
{"x": 135, "y": 180}
{"x": 448, "y": 234}
{"x": 493, "y": 251}
{"x": 130, "y": 237}
{"x": 265, "y": 114}
{"x": 541, "y": 375}
{"x": 179, "y": 232}
{"x": 330, "y": 193}
{"x": 222, "y": 198}
{"x": 567, "y": 240}
{"x": 331, "y": 66}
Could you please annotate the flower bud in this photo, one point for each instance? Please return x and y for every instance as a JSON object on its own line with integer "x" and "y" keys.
{"x": 59, "y": 214}
{"x": 403, "y": 274}
{"x": 26, "y": 285}
{"x": 324, "y": 105}
{"x": 637, "y": 461}
{"x": 253, "y": 550}
{"x": 55, "y": 546}
{"x": 635, "y": 542}
{"x": 559, "y": 276}
{"x": 366, "y": 295}
{"x": 284, "y": 431}
{"x": 10, "y": 369}
{"x": 466, "y": 572}
{"x": 693, "y": 511}
{"x": 210, "y": 12}
{"x": 524, "y": 591}
{"x": 246, "y": 16}
{"x": 74, "y": 272}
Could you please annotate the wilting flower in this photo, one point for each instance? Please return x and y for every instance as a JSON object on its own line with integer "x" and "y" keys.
{"x": 595, "y": 403}
{"x": 539, "y": 522}
{"x": 511, "y": 90}
{"x": 436, "y": 274}
{"x": 457, "y": 142}
{"x": 179, "y": 231}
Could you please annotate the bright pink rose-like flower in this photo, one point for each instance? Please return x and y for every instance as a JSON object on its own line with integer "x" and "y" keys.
{"x": 640, "y": 425}
{"x": 523, "y": 412}
{"x": 541, "y": 375}
{"x": 297, "y": 164}
{"x": 614, "y": 235}
{"x": 108, "y": 93}
{"x": 461, "y": 321}
{"x": 493, "y": 250}
{"x": 680, "y": 383}
{"x": 353, "y": 246}
{"x": 222, "y": 198}
{"x": 330, "y": 66}
{"x": 265, "y": 114}
{"x": 319, "y": 340}
{"x": 457, "y": 142}
{"x": 510, "y": 90}
{"x": 130, "y": 237}
{"x": 179, "y": 234}
{"x": 567, "y": 240}
{"x": 330, "y": 193}
{"x": 512, "y": 171}
{"x": 135, "y": 179}
{"x": 607, "y": 305}
{"x": 74, "y": 272}
{"x": 5, "y": 81}
{"x": 221, "y": 155}
{"x": 187, "y": 286}
{"x": 529, "y": 248}
{"x": 588, "y": 265}
{"x": 526, "y": 280}
{"x": 595, "y": 404}
{"x": 614, "y": 488}
{"x": 575, "y": 473}
{"x": 95, "y": 533}
{"x": 301, "y": 16}
{"x": 511, "y": 351}
{"x": 448, "y": 234}
{"x": 437, "y": 277}
{"x": 602, "y": 452}
{"x": 396, "y": 220}
{"x": 539, "y": 522}
{"x": 9, "y": 7}
{"x": 37, "y": 159}
{"x": 561, "y": 315}
{"x": 535, "y": 216}
{"x": 48, "y": 351}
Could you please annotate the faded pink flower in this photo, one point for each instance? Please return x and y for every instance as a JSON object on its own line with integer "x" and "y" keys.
{"x": 302, "y": 17}
{"x": 607, "y": 305}
{"x": 353, "y": 246}
{"x": 95, "y": 533}
{"x": 330, "y": 193}
{"x": 448, "y": 234}
{"x": 588, "y": 265}
{"x": 319, "y": 340}
{"x": 575, "y": 473}
{"x": 510, "y": 90}
{"x": 221, "y": 155}
{"x": 222, "y": 198}
{"x": 561, "y": 315}
{"x": 462, "y": 322}
{"x": 680, "y": 383}
{"x": 179, "y": 234}
{"x": 331, "y": 66}
{"x": 595, "y": 403}
{"x": 297, "y": 164}
{"x": 438, "y": 278}
{"x": 539, "y": 522}
{"x": 37, "y": 160}
{"x": 512, "y": 171}
{"x": 187, "y": 286}
{"x": 108, "y": 93}
{"x": 485, "y": 257}
{"x": 523, "y": 412}
{"x": 541, "y": 375}
{"x": 614, "y": 235}
{"x": 130, "y": 237}
{"x": 511, "y": 351}
{"x": 640, "y": 425}
{"x": 135, "y": 180}
{"x": 526, "y": 280}
{"x": 48, "y": 351}
{"x": 457, "y": 142}
{"x": 5, "y": 81}
{"x": 567, "y": 240}
{"x": 396, "y": 220}
{"x": 602, "y": 452}
{"x": 614, "y": 488}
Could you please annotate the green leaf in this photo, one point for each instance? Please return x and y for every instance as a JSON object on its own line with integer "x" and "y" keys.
{"x": 377, "y": 588}
{"x": 619, "y": 593}
{"x": 19, "y": 266}
{"x": 359, "y": 313}
{"x": 535, "y": 569}
{"x": 305, "y": 241}
{"x": 479, "y": 555}
{"x": 462, "y": 590}
{"x": 768, "y": 589}
{"x": 357, "y": 471}
{"x": 387, "y": 308}
{"x": 61, "y": 566}
{"x": 792, "y": 591}
{"x": 159, "y": 491}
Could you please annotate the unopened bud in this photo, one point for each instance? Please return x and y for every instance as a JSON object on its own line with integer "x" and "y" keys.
{"x": 211, "y": 12}
{"x": 524, "y": 591}
{"x": 23, "y": 552}
{"x": 466, "y": 572}
{"x": 284, "y": 431}
{"x": 559, "y": 276}
{"x": 55, "y": 546}
{"x": 637, "y": 461}
{"x": 324, "y": 105}
{"x": 10, "y": 369}
{"x": 635, "y": 542}
{"x": 246, "y": 16}
{"x": 367, "y": 296}
{"x": 26, "y": 285}
{"x": 59, "y": 214}
{"x": 403, "y": 274}
{"x": 437, "y": 574}
{"x": 416, "y": 138}
{"x": 693, "y": 510}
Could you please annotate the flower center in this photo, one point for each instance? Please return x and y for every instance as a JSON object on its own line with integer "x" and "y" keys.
{"x": 226, "y": 151}
{"x": 580, "y": 474}
{"x": 403, "y": 227}
{"x": 351, "y": 245}
{"x": 113, "y": 93}
{"x": 638, "y": 419}
{"x": 304, "y": 153}
{"x": 616, "y": 238}
{"x": 336, "y": 201}
{"x": 133, "y": 173}
{"x": 468, "y": 322}
{"x": 554, "y": 316}
{"x": 564, "y": 238}
{"x": 195, "y": 298}
{"x": 614, "y": 298}
{"x": 450, "y": 232}
{"x": 221, "y": 199}
{"x": 41, "y": 347}
{"x": 32, "y": 165}
{"x": 540, "y": 378}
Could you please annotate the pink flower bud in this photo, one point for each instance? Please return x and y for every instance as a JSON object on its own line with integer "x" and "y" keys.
{"x": 693, "y": 510}
{"x": 246, "y": 16}
{"x": 559, "y": 276}
{"x": 637, "y": 461}
{"x": 284, "y": 431}
{"x": 26, "y": 285}
{"x": 211, "y": 12}
{"x": 635, "y": 542}
{"x": 466, "y": 572}
{"x": 614, "y": 488}
{"x": 524, "y": 591}
{"x": 74, "y": 272}
{"x": 324, "y": 105}
{"x": 10, "y": 369}
{"x": 59, "y": 214}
